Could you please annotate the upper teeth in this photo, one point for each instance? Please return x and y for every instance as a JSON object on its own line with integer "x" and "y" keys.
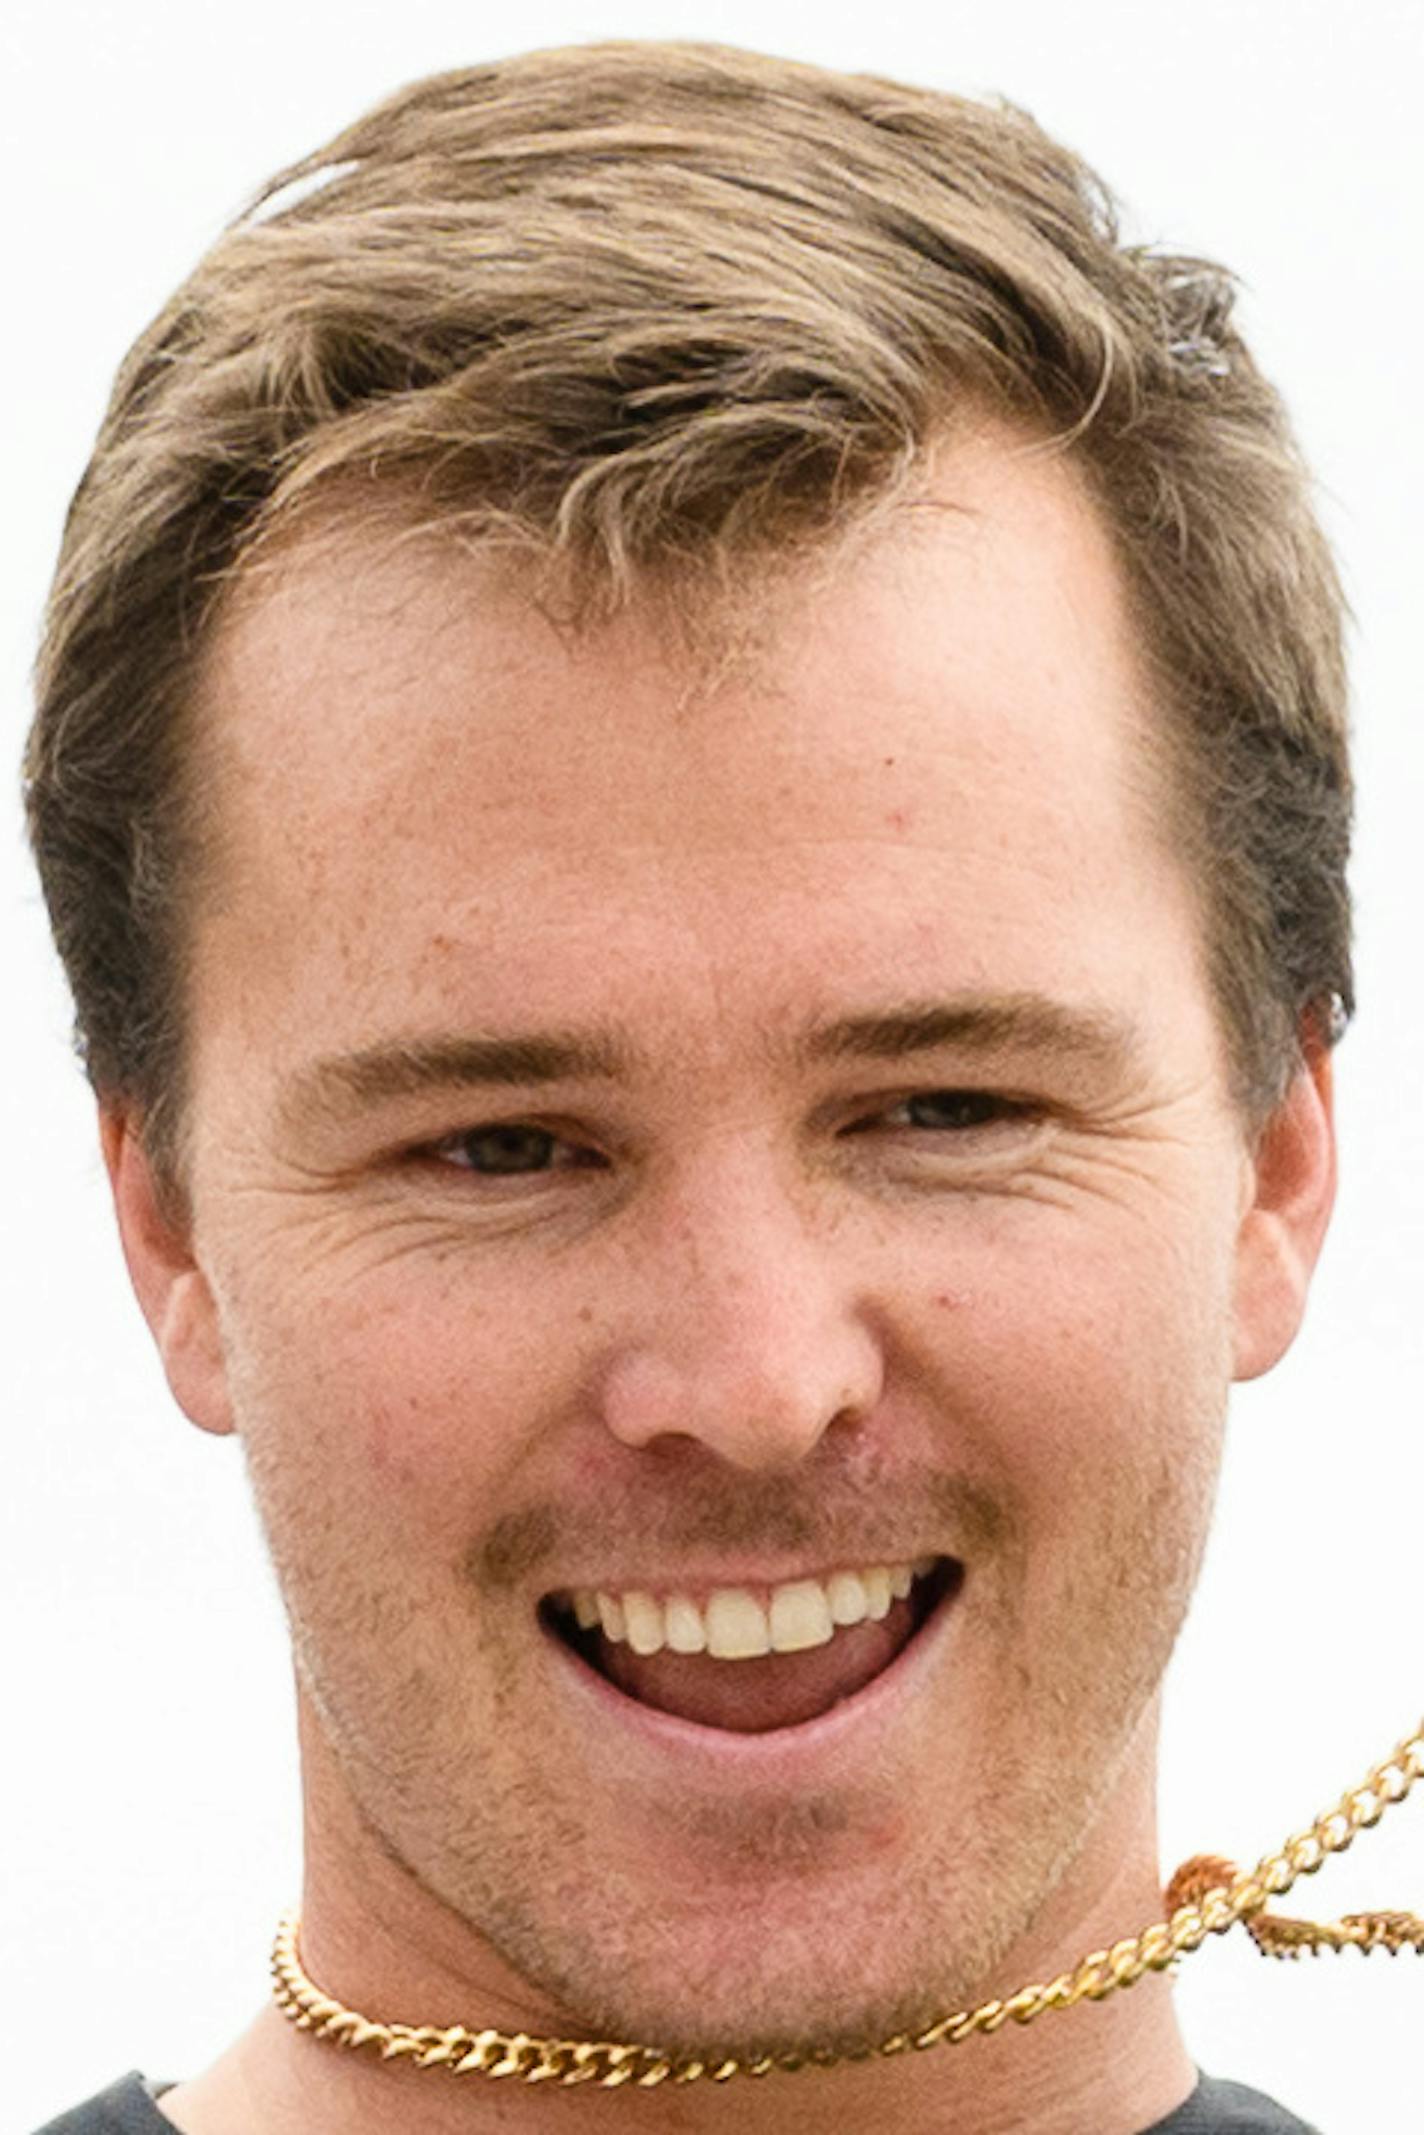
{"x": 732, "y": 1623}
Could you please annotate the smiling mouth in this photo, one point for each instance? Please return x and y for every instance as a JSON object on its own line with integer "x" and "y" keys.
{"x": 749, "y": 1660}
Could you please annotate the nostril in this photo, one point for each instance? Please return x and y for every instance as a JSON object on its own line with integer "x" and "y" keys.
{"x": 756, "y": 1390}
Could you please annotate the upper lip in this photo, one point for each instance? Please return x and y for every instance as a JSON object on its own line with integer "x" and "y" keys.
{"x": 703, "y": 1579}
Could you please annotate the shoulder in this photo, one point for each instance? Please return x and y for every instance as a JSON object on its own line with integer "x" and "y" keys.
{"x": 125, "y": 2108}
{"x": 1217, "y": 2107}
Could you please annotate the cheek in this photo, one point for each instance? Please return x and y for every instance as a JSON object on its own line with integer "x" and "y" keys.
{"x": 1076, "y": 1367}
{"x": 1087, "y": 1389}
{"x": 405, "y": 1402}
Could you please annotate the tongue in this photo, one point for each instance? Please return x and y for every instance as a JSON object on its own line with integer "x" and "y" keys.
{"x": 752, "y": 1697}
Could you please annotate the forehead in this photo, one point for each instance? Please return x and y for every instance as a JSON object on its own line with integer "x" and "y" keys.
{"x": 943, "y": 727}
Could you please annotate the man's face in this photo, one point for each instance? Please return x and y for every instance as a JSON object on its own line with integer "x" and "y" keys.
{"x": 664, "y": 1136}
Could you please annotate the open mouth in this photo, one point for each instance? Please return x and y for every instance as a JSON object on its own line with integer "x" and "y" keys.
{"x": 752, "y": 1659}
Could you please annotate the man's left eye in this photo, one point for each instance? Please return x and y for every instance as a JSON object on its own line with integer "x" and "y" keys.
{"x": 955, "y": 1111}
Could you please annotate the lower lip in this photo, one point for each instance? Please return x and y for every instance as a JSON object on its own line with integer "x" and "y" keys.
{"x": 779, "y": 1754}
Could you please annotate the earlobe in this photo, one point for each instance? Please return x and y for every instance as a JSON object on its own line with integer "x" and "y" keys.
{"x": 170, "y": 1285}
{"x": 1283, "y": 1228}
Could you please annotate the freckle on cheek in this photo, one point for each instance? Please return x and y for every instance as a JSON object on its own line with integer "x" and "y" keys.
{"x": 386, "y": 1455}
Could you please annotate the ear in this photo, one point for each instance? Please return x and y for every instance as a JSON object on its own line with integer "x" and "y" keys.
{"x": 1292, "y": 1193}
{"x": 170, "y": 1285}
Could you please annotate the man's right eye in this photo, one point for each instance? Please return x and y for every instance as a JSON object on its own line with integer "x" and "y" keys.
{"x": 515, "y": 1150}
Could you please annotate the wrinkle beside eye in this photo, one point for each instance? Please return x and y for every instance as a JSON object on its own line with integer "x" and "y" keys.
{"x": 1125, "y": 1169}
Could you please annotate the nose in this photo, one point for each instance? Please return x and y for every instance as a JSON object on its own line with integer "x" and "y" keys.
{"x": 749, "y": 1333}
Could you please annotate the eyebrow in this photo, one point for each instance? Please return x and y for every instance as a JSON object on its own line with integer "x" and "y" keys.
{"x": 1020, "y": 1022}
{"x": 410, "y": 1067}
{"x": 983, "y": 1025}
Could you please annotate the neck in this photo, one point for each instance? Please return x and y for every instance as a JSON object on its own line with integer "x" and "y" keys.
{"x": 376, "y": 1941}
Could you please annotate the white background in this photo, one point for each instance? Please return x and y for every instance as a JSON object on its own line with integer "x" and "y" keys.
{"x": 148, "y": 1803}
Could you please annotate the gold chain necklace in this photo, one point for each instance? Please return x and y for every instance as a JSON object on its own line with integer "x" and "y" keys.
{"x": 1205, "y": 1897}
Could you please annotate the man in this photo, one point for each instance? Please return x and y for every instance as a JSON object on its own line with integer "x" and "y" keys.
{"x": 690, "y": 768}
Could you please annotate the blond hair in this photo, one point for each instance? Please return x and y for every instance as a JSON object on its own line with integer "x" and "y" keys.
{"x": 659, "y": 308}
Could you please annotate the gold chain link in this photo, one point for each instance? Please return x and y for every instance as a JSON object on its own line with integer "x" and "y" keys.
{"x": 1205, "y": 1897}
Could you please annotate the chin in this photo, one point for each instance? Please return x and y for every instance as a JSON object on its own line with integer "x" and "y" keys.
{"x": 803, "y": 1972}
